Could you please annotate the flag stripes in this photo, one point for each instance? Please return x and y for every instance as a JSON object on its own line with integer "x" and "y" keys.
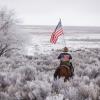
{"x": 58, "y": 31}
{"x": 55, "y": 36}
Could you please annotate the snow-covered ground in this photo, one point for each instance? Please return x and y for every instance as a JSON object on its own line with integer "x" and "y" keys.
{"x": 29, "y": 75}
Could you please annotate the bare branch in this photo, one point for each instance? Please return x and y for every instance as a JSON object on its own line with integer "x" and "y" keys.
{"x": 0, "y": 46}
{"x": 3, "y": 49}
{"x": 2, "y": 27}
{"x": 11, "y": 49}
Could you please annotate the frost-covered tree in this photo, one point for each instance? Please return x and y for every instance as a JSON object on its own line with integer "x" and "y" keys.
{"x": 7, "y": 24}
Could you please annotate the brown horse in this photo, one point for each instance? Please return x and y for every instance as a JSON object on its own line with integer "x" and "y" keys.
{"x": 63, "y": 71}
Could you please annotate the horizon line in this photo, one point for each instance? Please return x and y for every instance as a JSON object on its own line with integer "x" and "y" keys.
{"x": 55, "y": 25}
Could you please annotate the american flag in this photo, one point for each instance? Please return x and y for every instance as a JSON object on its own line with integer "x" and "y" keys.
{"x": 57, "y": 32}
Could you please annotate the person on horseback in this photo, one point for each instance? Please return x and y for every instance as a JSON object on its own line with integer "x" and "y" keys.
{"x": 65, "y": 58}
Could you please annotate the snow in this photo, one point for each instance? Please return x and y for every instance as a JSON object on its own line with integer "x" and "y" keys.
{"x": 28, "y": 75}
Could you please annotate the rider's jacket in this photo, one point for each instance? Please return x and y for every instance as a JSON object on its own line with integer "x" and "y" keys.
{"x": 65, "y": 57}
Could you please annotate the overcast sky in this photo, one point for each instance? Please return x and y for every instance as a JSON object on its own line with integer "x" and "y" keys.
{"x": 48, "y": 12}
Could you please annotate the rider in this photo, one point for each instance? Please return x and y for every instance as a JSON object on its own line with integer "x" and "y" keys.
{"x": 65, "y": 59}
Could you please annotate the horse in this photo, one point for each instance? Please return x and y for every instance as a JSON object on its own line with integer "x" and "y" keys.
{"x": 63, "y": 71}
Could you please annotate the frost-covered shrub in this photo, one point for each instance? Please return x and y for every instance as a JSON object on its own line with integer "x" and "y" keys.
{"x": 27, "y": 73}
{"x": 71, "y": 93}
{"x": 57, "y": 85}
{"x": 34, "y": 90}
{"x": 98, "y": 81}
{"x": 56, "y": 97}
{"x": 3, "y": 83}
{"x": 6, "y": 64}
{"x": 6, "y": 96}
{"x": 93, "y": 73}
{"x": 83, "y": 91}
{"x": 89, "y": 91}
{"x": 31, "y": 77}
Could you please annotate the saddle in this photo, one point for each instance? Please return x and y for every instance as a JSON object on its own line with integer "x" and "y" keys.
{"x": 67, "y": 65}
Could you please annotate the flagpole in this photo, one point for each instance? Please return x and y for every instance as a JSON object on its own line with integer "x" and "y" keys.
{"x": 63, "y": 37}
{"x": 64, "y": 40}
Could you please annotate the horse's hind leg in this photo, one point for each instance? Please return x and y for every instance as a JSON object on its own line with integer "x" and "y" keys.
{"x": 55, "y": 75}
{"x": 65, "y": 79}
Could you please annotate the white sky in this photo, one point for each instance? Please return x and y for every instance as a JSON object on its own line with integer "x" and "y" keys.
{"x": 48, "y": 12}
